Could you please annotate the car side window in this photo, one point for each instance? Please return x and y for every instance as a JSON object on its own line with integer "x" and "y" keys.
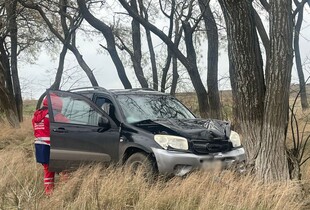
{"x": 67, "y": 109}
{"x": 107, "y": 106}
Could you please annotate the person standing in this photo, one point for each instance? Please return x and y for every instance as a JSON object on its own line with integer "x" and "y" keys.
{"x": 41, "y": 128}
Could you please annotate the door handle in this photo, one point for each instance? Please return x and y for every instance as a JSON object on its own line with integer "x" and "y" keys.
{"x": 60, "y": 130}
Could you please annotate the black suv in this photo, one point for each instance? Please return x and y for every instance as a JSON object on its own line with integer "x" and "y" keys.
{"x": 136, "y": 127}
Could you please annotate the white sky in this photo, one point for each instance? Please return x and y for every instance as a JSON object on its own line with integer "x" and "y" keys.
{"x": 35, "y": 78}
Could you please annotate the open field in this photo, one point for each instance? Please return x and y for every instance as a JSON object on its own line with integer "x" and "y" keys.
{"x": 21, "y": 184}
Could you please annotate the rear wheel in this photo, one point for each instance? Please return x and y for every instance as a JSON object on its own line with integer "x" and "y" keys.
{"x": 141, "y": 163}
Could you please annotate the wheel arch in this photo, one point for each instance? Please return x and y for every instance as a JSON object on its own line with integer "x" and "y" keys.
{"x": 133, "y": 149}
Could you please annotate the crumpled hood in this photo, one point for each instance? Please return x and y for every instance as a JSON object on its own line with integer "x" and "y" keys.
{"x": 204, "y": 129}
{"x": 39, "y": 115}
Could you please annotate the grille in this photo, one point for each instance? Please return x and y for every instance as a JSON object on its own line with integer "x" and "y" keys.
{"x": 204, "y": 147}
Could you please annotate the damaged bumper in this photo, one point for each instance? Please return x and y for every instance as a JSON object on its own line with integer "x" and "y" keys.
{"x": 180, "y": 163}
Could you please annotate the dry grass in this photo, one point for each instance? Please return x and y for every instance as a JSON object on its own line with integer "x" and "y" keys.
{"x": 115, "y": 188}
{"x": 21, "y": 186}
{"x": 16, "y": 137}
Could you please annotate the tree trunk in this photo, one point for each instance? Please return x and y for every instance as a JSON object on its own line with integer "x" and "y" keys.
{"x": 108, "y": 34}
{"x": 6, "y": 66}
{"x": 56, "y": 84}
{"x": 12, "y": 15}
{"x": 193, "y": 72}
{"x": 152, "y": 58}
{"x": 136, "y": 43}
{"x": 169, "y": 55}
{"x": 264, "y": 37}
{"x": 175, "y": 76}
{"x": 144, "y": 12}
{"x": 302, "y": 83}
{"x": 246, "y": 73}
{"x": 212, "y": 78}
{"x": 165, "y": 71}
{"x": 271, "y": 163}
{"x": 7, "y": 105}
{"x": 177, "y": 38}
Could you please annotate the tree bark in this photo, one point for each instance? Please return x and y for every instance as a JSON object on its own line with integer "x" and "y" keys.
{"x": 6, "y": 66}
{"x": 136, "y": 43}
{"x": 108, "y": 34}
{"x": 7, "y": 105}
{"x": 12, "y": 15}
{"x": 175, "y": 76}
{"x": 212, "y": 76}
{"x": 271, "y": 163}
{"x": 301, "y": 77}
{"x": 246, "y": 73}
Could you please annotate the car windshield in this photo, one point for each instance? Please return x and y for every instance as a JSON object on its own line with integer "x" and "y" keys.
{"x": 143, "y": 107}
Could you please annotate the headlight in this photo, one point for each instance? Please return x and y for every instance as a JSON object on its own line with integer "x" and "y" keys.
{"x": 235, "y": 139}
{"x": 175, "y": 142}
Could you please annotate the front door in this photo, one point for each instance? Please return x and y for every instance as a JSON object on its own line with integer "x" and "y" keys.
{"x": 80, "y": 132}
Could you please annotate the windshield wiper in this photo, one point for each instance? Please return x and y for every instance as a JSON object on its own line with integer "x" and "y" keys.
{"x": 145, "y": 122}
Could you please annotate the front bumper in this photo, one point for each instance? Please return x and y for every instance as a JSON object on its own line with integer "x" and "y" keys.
{"x": 180, "y": 163}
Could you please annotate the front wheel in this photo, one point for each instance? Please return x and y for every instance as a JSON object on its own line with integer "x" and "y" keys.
{"x": 141, "y": 163}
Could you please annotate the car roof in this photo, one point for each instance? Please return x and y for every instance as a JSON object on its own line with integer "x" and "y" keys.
{"x": 93, "y": 90}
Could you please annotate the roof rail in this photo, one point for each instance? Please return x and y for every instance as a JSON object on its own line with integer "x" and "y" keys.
{"x": 150, "y": 89}
{"x": 87, "y": 88}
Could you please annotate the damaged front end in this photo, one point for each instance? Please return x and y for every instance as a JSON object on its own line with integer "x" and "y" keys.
{"x": 188, "y": 144}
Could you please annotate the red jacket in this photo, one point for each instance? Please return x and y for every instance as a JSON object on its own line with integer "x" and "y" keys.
{"x": 41, "y": 126}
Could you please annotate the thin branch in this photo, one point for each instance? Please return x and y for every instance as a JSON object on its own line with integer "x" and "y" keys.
{"x": 265, "y": 4}
{"x": 304, "y": 161}
{"x": 162, "y": 10}
{"x": 300, "y": 6}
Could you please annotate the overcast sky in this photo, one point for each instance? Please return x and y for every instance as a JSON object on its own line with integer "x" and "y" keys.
{"x": 35, "y": 78}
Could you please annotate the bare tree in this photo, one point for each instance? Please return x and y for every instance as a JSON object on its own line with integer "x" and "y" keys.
{"x": 111, "y": 46}
{"x": 11, "y": 7}
{"x": 213, "y": 42}
{"x": 173, "y": 23}
{"x": 271, "y": 162}
{"x": 261, "y": 110}
{"x": 144, "y": 13}
{"x": 246, "y": 73}
{"x": 189, "y": 61}
{"x": 74, "y": 18}
{"x": 302, "y": 84}
{"x": 136, "y": 43}
{"x": 16, "y": 36}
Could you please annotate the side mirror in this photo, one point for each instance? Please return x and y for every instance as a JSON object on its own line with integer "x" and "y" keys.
{"x": 104, "y": 122}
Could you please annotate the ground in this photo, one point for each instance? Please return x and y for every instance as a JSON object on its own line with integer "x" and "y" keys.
{"x": 96, "y": 187}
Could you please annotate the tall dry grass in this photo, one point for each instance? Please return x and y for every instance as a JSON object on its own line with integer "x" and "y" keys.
{"x": 115, "y": 188}
{"x": 21, "y": 186}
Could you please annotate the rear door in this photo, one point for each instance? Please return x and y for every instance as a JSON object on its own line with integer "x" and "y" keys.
{"x": 80, "y": 132}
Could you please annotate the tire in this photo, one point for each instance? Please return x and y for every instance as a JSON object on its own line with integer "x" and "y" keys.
{"x": 141, "y": 163}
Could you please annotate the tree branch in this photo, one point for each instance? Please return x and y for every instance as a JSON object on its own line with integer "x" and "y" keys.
{"x": 265, "y": 4}
{"x": 300, "y": 6}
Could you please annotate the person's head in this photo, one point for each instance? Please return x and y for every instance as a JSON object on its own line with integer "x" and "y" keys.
{"x": 56, "y": 102}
